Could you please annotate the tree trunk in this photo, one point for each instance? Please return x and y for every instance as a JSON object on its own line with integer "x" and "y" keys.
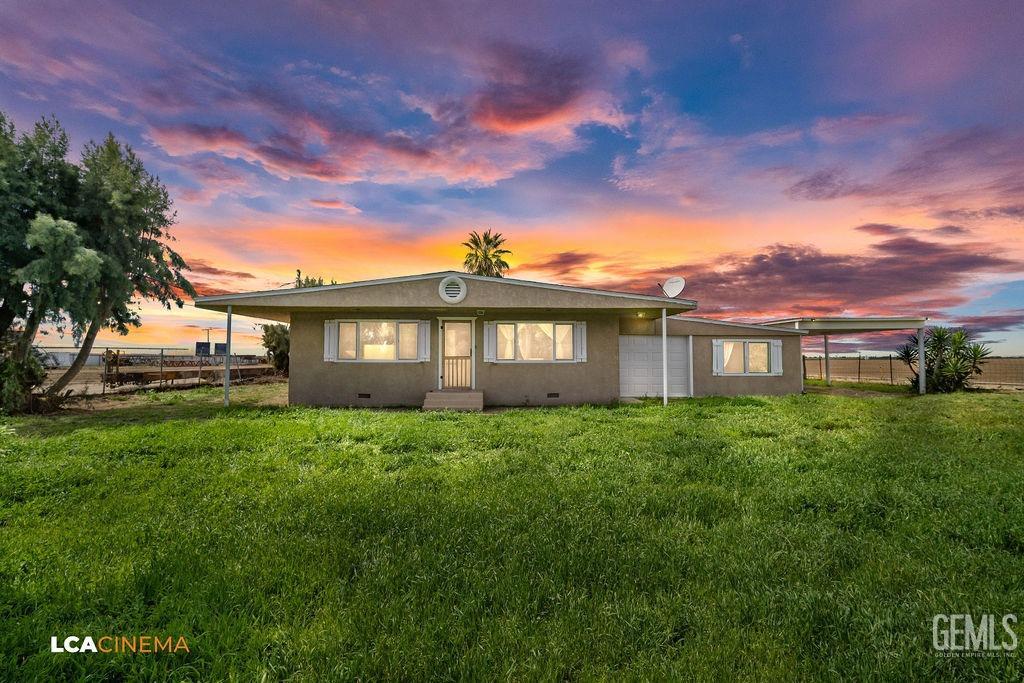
{"x": 6, "y": 318}
{"x": 83, "y": 355}
{"x": 32, "y": 322}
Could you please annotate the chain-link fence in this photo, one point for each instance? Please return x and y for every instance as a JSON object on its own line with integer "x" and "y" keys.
{"x": 997, "y": 371}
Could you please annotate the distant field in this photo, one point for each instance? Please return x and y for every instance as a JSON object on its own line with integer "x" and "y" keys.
{"x": 803, "y": 537}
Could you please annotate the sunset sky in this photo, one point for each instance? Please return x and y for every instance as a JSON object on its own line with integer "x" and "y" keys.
{"x": 786, "y": 158}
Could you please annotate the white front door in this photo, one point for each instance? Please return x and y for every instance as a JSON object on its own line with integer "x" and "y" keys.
{"x": 640, "y": 366}
{"x": 456, "y": 354}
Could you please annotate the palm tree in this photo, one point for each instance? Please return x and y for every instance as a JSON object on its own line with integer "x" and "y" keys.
{"x": 485, "y": 255}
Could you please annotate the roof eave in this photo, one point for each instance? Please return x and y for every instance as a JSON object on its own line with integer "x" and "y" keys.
{"x": 240, "y": 298}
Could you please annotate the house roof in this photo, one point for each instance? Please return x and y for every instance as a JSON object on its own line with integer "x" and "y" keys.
{"x": 848, "y": 324}
{"x": 421, "y": 292}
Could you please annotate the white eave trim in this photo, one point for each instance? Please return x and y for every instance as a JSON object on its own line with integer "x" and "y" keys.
{"x": 748, "y": 326}
{"x": 848, "y": 325}
{"x": 851, "y": 319}
{"x": 430, "y": 276}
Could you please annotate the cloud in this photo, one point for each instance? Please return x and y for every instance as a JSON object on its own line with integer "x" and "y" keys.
{"x": 829, "y": 183}
{"x": 515, "y": 107}
{"x": 209, "y": 280}
{"x": 742, "y": 46}
{"x": 937, "y": 173}
{"x": 335, "y": 204}
{"x": 846, "y": 129}
{"x": 881, "y": 229}
{"x": 527, "y": 88}
{"x": 898, "y": 275}
{"x": 679, "y": 158}
{"x": 897, "y": 50}
{"x": 525, "y": 113}
{"x": 211, "y": 177}
{"x": 991, "y": 322}
{"x": 1014, "y": 212}
{"x": 200, "y": 266}
{"x": 563, "y": 264}
{"x": 625, "y": 55}
{"x": 280, "y": 154}
{"x": 949, "y": 231}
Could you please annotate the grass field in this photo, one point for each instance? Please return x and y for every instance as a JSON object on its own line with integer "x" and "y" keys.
{"x": 800, "y": 537}
{"x": 876, "y": 387}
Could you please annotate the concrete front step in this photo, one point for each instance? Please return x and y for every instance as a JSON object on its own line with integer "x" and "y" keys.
{"x": 454, "y": 400}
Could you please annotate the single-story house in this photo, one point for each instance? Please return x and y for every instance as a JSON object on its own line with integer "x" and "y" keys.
{"x": 455, "y": 340}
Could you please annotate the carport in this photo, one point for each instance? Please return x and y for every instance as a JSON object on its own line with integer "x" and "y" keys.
{"x": 829, "y": 327}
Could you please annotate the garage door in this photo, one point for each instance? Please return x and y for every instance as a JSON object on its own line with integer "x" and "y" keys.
{"x": 640, "y": 366}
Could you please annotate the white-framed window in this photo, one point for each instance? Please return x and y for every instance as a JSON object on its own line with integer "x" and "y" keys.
{"x": 377, "y": 341}
{"x": 539, "y": 341}
{"x": 747, "y": 357}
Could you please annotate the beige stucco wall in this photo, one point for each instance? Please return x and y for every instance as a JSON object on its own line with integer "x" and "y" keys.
{"x": 595, "y": 381}
{"x": 705, "y": 383}
{"x": 314, "y": 381}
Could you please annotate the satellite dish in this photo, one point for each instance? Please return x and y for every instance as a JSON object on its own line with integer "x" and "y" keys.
{"x": 673, "y": 286}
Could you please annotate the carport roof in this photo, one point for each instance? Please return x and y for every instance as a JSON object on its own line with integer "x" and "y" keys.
{"x": 849, "y": 324}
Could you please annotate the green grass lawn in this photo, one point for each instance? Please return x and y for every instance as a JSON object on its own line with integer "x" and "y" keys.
{"x": 806, "y": 536}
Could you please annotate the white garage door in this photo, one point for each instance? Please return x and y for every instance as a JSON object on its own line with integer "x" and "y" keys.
{"x": 640, "y": 366}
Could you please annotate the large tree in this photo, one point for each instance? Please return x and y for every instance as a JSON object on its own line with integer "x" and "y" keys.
{"x": 125, "y": 214}
{"x": 486, "y": 255}
{"x": 62, "y": 278}
{"x": 35, "y": 178}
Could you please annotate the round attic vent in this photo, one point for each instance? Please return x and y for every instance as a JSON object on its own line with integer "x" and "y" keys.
{"x": 452, "y": 289}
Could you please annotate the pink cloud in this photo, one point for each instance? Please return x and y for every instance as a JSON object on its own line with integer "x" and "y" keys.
{"x": 335, "y": 204}
{"x": 845, "y": 129}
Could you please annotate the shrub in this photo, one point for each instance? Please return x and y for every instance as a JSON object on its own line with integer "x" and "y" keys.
{"x": 951, "y": 358}
{"x": 276, "y": 341}
{"x": 18, "y": 378}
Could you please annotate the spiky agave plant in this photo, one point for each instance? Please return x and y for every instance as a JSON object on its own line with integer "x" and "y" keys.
{"x": 951, "y": 358}
{"x": 486, "y": 254}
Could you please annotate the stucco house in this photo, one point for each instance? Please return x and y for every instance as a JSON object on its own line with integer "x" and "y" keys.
{"x": 453, "y": 340}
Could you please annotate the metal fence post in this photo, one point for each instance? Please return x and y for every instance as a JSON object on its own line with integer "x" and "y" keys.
{"x": 161, "y": 368}
{"x": 891, "y": 379}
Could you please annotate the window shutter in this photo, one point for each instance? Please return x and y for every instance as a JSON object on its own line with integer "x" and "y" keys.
{"x": 717, "y": 357}
{"x": 490, "y": 342}
{"x": 579, "y": 340}
{"x": 776, "y": 361}
{"x": 330, "y": 340}
{"x": 423, "y": 340}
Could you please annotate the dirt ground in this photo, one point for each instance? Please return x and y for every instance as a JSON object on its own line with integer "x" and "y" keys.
{"x": 269, "y": 391}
